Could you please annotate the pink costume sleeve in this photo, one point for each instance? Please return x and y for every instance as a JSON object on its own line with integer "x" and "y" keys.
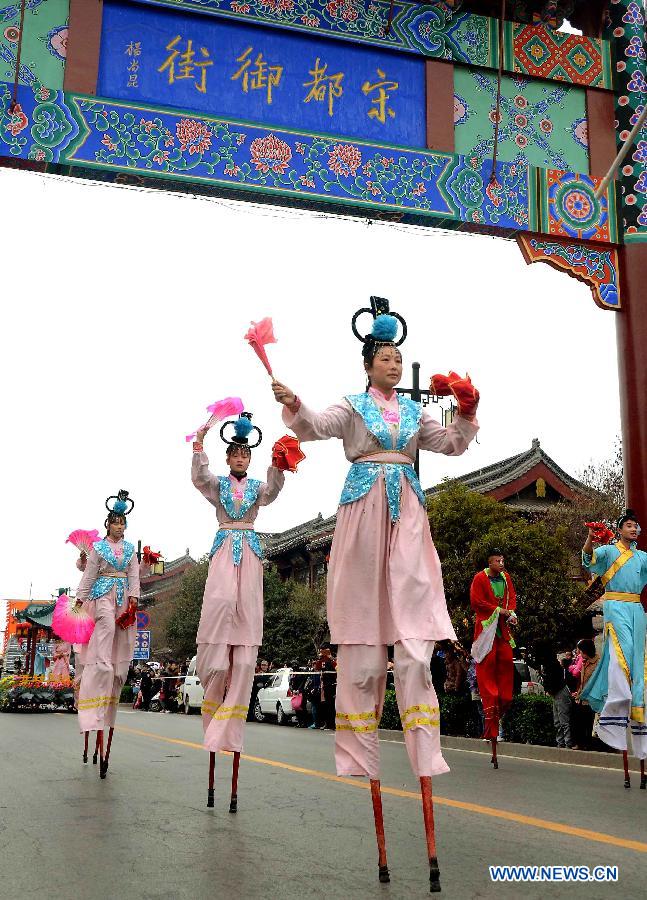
{"x": 451, "y": 441}
{"x": 90, "y": 575}
{"x": 312, "y": 426}
{"x": 206, "y": 483}
{"x": 272, "y": 487}
{"x": 133, "y": 576}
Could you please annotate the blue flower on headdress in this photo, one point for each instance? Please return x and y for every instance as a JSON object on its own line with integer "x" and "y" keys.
{"x": 119, "y": 507}
{"x": 385, "y": 328}
{"x": 242, "y": 427}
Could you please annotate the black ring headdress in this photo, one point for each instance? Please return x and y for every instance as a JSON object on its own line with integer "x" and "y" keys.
{"x": 242, "y": 429}
{"x": 384, "y": 328}
{"x": 120, "y": 506}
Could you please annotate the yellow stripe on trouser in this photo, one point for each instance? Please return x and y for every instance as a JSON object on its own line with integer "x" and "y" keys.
{"x": 622, "y": 662}
{"x": 345, "y": 722}
{"x": 422, "y": 720}
{"x": 431, "y": 719}
{"x": 222, "y": 713}
{"x": 94, "y": 702}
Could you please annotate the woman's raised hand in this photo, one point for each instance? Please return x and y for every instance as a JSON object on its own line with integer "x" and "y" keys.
{"x": 200, "y": 435}
{"x": 283, "y": 394}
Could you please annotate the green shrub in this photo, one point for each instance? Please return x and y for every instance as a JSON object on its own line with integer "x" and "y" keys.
{"x": 126, "y": 695}
{"x": 390, "y": 714}
{"x": 530, "y": 720}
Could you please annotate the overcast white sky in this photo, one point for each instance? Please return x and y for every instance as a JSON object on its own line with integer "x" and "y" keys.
{"x": 123, "y": 318}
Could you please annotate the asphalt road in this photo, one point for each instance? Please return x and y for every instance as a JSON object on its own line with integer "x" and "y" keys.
{"x": 300, "y": 832}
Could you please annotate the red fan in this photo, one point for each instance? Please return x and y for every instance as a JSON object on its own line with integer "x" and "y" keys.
{"x": 72, "y": 622}
{"x": 260, "y": 334}
{"x": 466, "y": 395}
{"x": 150, "y": 557}
{"x": 83, "y": 540}
{"x": 128, "y": 617}
{"x": 286, "y": 454}
{"x": 601, "y": 534}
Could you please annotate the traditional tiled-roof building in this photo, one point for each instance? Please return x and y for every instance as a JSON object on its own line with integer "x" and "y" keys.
{"x": 530, "y": 483}
{"x": 159, "y": 594}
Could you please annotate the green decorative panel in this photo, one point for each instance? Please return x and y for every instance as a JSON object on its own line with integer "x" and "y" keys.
{"x": 44, "y": 43}
{"x": 542, "y": 124}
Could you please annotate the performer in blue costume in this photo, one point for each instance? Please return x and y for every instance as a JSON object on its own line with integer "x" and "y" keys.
{"x": 616, "y": 690}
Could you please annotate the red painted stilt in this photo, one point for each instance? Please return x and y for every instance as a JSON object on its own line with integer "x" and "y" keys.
{"x": 428, "y": 813}
{"x": 494, "y": 760}
{"x": 625, "y": 762}
{"x": 212, "y": 769}
{"x": 86, "y": 735}
{"x": 376, "y": 796}
{"x": 96, "y": 749}
{"x": 102, "y": 773}
{"x": 107, "y": 757}
{"x": 233, "y": 803}
{"x": 643, "y": 777}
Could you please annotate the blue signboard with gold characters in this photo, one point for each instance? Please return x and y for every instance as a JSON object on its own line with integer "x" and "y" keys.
{"x": 261, "y": 75}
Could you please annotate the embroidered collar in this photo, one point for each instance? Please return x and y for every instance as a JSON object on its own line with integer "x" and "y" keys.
{"x": 410, "y": 415}
{"x": 250, "y": 495}
{"x": 105, "y": 550}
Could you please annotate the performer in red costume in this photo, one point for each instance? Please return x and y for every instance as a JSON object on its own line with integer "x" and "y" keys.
{"x": 493, "y": 599}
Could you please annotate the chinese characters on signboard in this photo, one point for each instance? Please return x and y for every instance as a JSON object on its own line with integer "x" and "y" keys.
{"x": 251, "y": 73}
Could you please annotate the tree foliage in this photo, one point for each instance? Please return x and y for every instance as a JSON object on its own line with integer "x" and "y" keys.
{"x": 603, "y": 501}
{"x": 182, "y": 625}
{"x": 465, "y": 525}
{"x": 295, "y": 624}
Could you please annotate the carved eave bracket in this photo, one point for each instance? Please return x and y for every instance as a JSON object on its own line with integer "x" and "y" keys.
{"x": 590, "y": 263}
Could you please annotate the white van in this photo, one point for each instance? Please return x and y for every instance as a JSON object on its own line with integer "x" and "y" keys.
{"x": 191, "y": 692}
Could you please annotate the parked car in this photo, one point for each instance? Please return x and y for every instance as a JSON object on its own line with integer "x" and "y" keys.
{"x": 276, "y": 698}
{"x": 530, "y": 683}
{"x": 191, "y": 691}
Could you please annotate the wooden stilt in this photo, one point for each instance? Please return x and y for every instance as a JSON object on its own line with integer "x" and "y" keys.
{"x": 376, "y": 796}
{"x": 102, "y": 773}
{"x": 233, "y": 803}
{"x": 625, "y": 762}
{"x": 643, "y": 777}
{"x": 494, "y": 760}
{"x": 212, "y": 769}
{"x": 428, "y": 813}
{"x": 95, "y": 756}
{"x": 86, "y": 735}
{"x": 107, "y": 757}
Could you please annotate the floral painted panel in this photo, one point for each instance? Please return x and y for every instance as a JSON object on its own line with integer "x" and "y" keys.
{"x": 434, "y": 188}
{"x": 627, "y": 29}
{"x": 542, "y": 124}
{"x": 44, "y": 43}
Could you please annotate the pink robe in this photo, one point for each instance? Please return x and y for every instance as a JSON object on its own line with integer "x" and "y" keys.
{"x": 384, "y": 579}
{"x": 232, "y": 608}
{"x": 110, "y": 650}
{"x": 60, "y": 668}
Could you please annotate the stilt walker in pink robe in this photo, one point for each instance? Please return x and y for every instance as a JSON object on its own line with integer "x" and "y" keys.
{"x": 60, "y": 668}
{"x": 384, "y": 579}
{"x": 231, "y": 622}
{"x": 110, "y": 588}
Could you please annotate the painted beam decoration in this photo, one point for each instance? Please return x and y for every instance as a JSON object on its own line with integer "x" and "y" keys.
{"x": 627, "y": 29}
{"x": 44, "y": 45}
{"x": 597, "y": 267}
{"x": 433, "y": 29}
{"x": 317, "y": 103}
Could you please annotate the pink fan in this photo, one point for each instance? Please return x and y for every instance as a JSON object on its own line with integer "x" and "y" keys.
{"x": 72, "y": 622}
{"x": 260, "y": 334}
{"x": 230, "y": 406}
{"x": 83, "y": 540}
